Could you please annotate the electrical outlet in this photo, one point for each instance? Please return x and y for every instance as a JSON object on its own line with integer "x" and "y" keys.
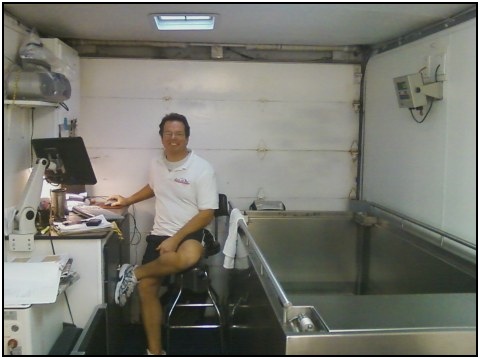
{"x": 434, "y": 61}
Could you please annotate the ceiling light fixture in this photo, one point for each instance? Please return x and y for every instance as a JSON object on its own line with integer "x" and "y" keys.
{"x": 184, "y": 21}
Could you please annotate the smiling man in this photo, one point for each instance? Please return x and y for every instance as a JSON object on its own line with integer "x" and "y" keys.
{"x": 185, "y": 191}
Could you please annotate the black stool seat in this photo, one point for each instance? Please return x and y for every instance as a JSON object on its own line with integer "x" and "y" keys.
{"x": 210, "y": 245}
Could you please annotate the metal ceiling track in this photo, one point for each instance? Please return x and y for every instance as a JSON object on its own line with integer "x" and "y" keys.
{"x": 454, "y": 20}
{"x": 227, "y": 52}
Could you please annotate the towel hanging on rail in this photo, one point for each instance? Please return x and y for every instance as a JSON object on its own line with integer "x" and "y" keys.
{"x": 234, "y": 250}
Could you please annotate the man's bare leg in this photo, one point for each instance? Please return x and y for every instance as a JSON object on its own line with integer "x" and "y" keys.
{"x": 150, "y": 276}
{"x": 151, "y": 310}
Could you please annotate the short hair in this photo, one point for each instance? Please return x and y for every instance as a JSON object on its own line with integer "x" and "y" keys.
{"x": 175, "y": 117}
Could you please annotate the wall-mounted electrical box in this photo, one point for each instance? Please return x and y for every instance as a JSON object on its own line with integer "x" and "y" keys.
{"x": 408, "y": 91}
{"x": 412, "y": 92}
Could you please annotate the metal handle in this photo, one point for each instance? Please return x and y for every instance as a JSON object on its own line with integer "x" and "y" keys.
{"x": 426, "y": 226}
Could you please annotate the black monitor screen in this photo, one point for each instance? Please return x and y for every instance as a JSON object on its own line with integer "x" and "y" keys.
{"x": 72, "y": 164}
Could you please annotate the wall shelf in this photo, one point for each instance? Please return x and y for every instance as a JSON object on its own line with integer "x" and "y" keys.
{"x": 30, "y": 104}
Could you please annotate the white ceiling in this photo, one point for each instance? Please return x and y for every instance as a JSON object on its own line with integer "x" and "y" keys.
{"x": 291, "y": 24}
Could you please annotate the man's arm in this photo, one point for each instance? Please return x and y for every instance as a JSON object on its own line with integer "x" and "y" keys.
{"x": 145, "y": 193}
{"x": 199, "y": 221}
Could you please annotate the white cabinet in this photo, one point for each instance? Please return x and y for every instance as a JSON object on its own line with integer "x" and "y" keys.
{"x": 88, "y": 261}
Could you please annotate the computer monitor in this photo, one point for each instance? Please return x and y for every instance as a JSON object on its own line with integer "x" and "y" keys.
{"x": 72, "y": 164}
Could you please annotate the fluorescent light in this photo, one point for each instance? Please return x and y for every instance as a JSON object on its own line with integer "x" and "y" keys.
{"x": 184, "y": 21}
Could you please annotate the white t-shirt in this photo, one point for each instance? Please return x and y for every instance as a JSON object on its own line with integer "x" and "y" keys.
{"x": 181, "y": 193}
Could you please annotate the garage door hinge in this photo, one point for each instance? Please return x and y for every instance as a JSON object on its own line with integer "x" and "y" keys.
{"x": 356, "y": 106}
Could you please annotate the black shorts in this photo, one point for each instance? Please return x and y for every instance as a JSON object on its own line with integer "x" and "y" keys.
{"x": 153, "y": 241}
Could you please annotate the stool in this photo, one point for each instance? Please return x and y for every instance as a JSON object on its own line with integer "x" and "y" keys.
{"x": 195, "y": 280}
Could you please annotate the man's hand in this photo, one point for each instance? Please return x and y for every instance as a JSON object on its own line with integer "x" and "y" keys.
{"x": 117, "y": 201}
{"x": 145, "y": 193}
{"x": 168, "y": 245}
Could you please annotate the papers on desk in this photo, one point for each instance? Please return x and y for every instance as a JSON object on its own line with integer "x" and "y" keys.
{"x": 73, "y": 203}
{"x": 82, "y": 228}
{"x": 33, "y": 280}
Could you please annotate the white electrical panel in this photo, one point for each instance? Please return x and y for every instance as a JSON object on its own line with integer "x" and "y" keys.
{"x": 409, "y": 91}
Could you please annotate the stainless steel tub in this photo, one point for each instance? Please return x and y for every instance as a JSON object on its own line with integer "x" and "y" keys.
{"x": 370, "y": 284}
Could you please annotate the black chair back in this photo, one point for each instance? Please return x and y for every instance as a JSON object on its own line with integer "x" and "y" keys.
{"x": 222, "y": 206}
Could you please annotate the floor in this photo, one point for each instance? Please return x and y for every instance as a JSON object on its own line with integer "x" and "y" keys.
{"x": 134, "y": 343}
{"x": 184, "y": 342}
{"x": 196, "y": 342}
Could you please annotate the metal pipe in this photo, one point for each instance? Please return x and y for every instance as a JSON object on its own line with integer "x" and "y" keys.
{"x": 266, "y": 268}
{"x": 268, "y": 47}
{"x": 426, "y": 226}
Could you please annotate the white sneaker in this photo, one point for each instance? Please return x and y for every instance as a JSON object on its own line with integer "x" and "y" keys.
{"x": 126, "y": 283}
{"x": 163, "y": 352}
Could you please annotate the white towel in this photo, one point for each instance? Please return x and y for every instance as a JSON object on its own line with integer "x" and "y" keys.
{"x": 235, "y": 253}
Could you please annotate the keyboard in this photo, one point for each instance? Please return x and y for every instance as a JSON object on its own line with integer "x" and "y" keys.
{"x": 88, "y": 211}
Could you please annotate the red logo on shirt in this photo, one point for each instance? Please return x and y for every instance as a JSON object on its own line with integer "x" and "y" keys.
{"x": 182, "y": 180}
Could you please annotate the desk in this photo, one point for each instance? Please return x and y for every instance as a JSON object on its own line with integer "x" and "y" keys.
{"x": 95, "y": 259}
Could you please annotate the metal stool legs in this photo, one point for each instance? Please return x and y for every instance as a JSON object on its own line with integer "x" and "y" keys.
{"x": 199, "y": 283}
